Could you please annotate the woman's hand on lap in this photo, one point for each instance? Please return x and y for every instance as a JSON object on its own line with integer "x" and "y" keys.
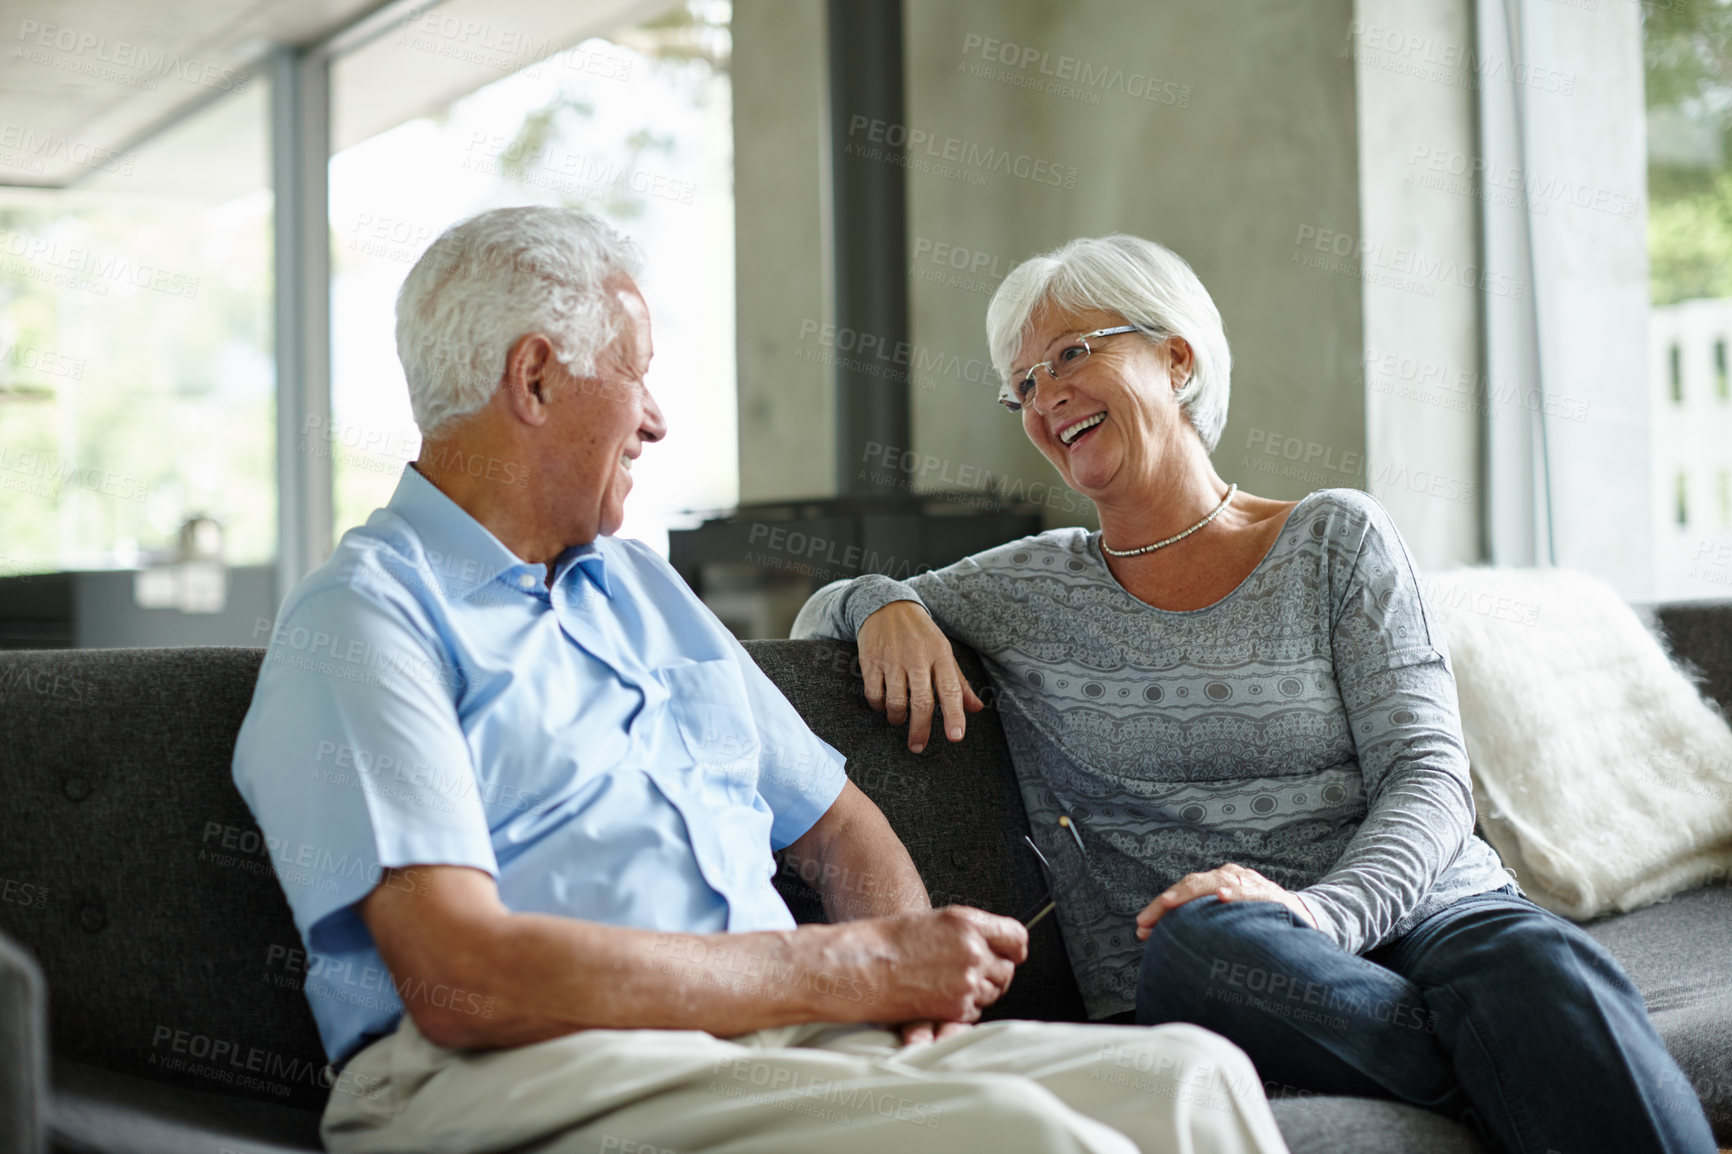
{"x": 1230, "y": 883}
{"x": 909, "y": 668}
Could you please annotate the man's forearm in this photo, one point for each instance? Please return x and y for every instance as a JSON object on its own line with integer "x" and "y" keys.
{"x": 868, "y": 873}
{"x": 539, "y": 976}
{"x": 857, "y": 863}
{"x": 509, "y": 979}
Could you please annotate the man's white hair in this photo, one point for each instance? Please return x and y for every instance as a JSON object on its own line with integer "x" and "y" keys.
{"x": 1150, "y": 286}
{"x": 494, "y": 278}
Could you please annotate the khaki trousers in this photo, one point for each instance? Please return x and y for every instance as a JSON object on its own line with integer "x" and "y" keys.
{"x": 1003, "y": 1087}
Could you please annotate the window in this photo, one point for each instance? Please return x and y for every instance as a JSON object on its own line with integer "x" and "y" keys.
{"x": 137, "y": 383}
{"x": 636, "y": 127}
{"x": 1688, "y": 50}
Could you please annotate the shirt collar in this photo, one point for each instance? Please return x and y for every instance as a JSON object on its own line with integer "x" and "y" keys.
{"x": 461, "y": 551}
{"x": 590, "y": 560}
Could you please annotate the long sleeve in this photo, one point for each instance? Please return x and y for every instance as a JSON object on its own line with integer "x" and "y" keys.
{"x": 966, "y": 599}
{"x": 1392, "y": 671}
{"x": 839, "y": 609}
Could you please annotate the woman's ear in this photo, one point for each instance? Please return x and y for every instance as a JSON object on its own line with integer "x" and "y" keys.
{"x": 1181, "y": 362}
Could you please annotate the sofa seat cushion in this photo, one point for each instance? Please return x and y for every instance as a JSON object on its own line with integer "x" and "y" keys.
{"x": 99, "y": 1110}
{"x": 1676, "y": 952}
{"x": 1330, "y": 1125}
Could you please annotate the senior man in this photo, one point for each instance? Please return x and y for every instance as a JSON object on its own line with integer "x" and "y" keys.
{"x": 555, "y": 783}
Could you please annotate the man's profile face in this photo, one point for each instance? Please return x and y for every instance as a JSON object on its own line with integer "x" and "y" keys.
{"x": 603, "y": 422}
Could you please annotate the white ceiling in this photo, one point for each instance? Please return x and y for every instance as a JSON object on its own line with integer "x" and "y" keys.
{"x": 170, "y": 96}
{"x": 450, "y": 50}
{"x": 111, "y": 70}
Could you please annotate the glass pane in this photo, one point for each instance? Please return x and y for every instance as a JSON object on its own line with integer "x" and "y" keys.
{"x": 635, "y": 127}
{"x": 1689, "y": 94}
{"x": 137, "y": 382}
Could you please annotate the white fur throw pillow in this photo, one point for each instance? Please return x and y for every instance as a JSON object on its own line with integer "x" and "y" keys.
{"x": 1601, "y": 775}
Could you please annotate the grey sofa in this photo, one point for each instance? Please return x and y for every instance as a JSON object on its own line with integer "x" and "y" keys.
{"x": 150, "y": 973}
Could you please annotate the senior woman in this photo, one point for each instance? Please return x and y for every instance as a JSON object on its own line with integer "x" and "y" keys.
{"x": 1235, "y": 728}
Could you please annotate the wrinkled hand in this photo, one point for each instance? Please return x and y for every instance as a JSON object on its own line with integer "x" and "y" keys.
{"x": 944, "y": 965}
{"x": 908, "y": 666}
{"x": 1230, "y": 883}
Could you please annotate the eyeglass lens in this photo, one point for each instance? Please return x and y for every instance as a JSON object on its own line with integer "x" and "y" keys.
{"x": 1066, "y": 362}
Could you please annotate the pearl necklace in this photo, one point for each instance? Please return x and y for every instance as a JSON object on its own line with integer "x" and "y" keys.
{"x": 1231, "y": 489}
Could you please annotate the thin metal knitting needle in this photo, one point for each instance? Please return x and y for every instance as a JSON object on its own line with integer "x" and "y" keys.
{"x": 1047, "y": 867}
{"x": 1064, "y": 820}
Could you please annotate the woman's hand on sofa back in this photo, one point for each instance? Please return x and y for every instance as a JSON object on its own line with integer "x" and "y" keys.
{"x": 909, "y": 668}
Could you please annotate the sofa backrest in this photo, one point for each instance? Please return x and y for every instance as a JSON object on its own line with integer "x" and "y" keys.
{"x": 956, "y": 807}
{"x": 133, "y": 871}
{"x": 1700, "y": 635}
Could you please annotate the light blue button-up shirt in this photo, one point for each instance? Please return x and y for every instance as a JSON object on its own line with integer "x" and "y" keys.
{"x": 604, "y": 747}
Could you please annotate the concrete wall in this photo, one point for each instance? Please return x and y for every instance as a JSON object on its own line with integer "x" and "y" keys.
{"x": 1587, "y": 169}
{"x": 1221, "y": 130}
{"x": 1418, "y": 196}
{"x": 787, "y": 410}
{"x": 1470, "y": 146}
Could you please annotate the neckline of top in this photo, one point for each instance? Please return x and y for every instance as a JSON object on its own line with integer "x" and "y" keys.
{"x": 1094, "y": 550}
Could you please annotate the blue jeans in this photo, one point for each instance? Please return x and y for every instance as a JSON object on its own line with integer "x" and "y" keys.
{"x": 1493, "y": 1011}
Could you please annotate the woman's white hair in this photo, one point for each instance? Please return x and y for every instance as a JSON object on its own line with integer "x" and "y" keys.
{"x": 1150, "y": 286}
{"x": 490, "y": 280}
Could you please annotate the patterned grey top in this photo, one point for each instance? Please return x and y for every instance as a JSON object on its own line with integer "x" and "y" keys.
{"x": 1305, "y": 725}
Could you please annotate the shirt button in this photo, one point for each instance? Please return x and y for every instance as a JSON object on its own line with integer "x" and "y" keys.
{"x": 525, "y": 581}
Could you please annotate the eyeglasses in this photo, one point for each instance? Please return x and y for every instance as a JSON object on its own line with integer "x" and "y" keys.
{"x": 1020, "y": 392}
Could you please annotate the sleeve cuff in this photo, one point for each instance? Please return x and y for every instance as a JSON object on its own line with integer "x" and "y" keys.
{"x": 792, "y": 822}
{"x": 873, "y": 592}
{"x": 1323, "y": 913}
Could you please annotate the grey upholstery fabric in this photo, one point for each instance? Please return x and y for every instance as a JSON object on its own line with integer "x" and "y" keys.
{"x": 1368, "y": 1126}
{"x": 98, "y": 1110}
{"x": 1700, "y": 634}
{"x": 170, "y": 956}
{"x": 167, "y": 946}
{"x": 1678, "y": 953}
{"x": 23, "y": 1051}
{"x": 956, "y": 808}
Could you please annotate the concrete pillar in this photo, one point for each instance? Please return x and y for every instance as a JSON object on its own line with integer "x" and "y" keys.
{"x": 1422, "y": 378}
{"x": 781, "y": 277}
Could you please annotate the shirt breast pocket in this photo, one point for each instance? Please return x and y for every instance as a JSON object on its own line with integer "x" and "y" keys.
{"x": 708, "y": 702}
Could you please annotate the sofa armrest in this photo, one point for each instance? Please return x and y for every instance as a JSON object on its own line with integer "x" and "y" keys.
{"x": 24, "y": 1089}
